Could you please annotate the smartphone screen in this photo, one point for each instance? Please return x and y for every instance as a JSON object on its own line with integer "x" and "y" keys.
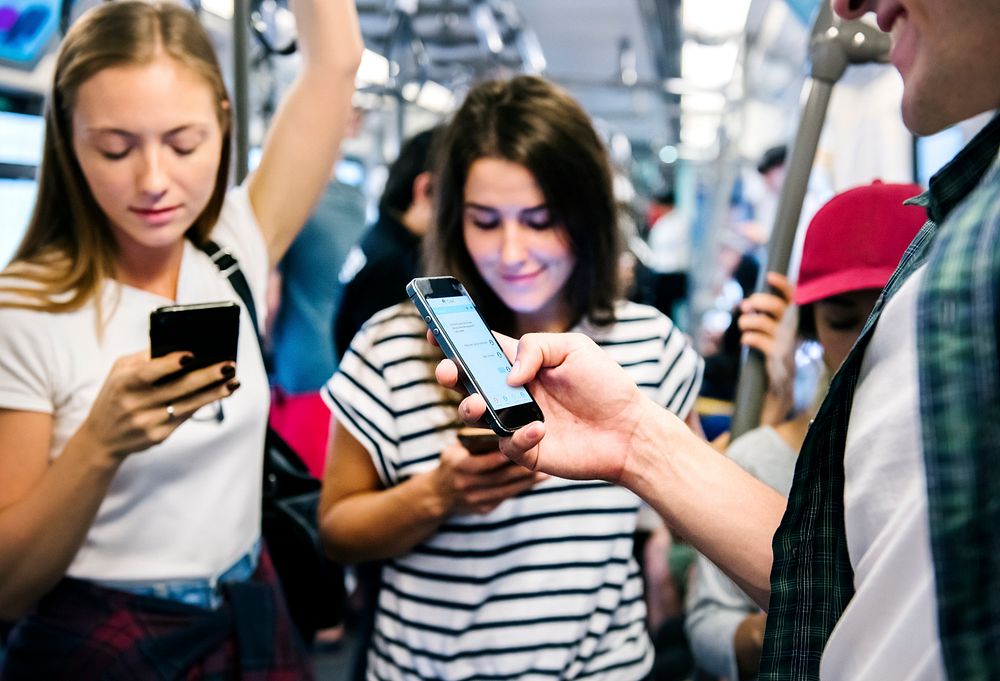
{"x": 465, "y": 338}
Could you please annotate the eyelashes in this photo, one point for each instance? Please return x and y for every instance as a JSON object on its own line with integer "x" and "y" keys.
{"x": 119, "y": 155}
{"x": 539, "y": 218}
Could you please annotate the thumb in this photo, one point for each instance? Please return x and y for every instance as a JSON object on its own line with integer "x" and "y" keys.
{"x": 536, "y": 351}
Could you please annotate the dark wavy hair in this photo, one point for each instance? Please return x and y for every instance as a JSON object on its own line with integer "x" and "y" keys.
{"x": 69, "y": 247}
{"x": 534, "y": 123}
{"x": 414, "y": 158}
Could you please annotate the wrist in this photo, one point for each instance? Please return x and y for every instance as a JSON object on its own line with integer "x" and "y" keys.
{"x": 95, "y": 455}
{"x": 663, "y": 459}
{"x": 648, "y": 449}
{"x": 433, "y": 503}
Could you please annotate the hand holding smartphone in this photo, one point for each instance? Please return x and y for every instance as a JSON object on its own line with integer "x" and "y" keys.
{"x": 209, "y": 331}
{"x": 478, "y": 440}
{"x": 466, "y": 340}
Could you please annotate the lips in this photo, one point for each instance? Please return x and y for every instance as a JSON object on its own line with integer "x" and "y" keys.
{"x": 903, "y": 45}
{"x": 155, "y": 216}
{"x": 520, "y": 278}
{"x": 887, "y": 17}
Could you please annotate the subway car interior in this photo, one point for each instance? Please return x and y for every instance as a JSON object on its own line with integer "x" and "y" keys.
{"x": 726, "y": 131}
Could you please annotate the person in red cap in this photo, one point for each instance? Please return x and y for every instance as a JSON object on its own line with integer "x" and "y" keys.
{"x": 852, "y": 246}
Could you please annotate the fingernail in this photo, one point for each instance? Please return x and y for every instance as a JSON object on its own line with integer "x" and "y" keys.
{"x": 187, "y": 360}
{"x": 228, "y": 371}
{"x": 232, "y": 386}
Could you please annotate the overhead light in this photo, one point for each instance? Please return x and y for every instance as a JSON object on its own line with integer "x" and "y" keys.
{"x": 703, "y": 102}
{"x": 699, "y": 131}
{"x": 485, "y": 23}
{"x": 714, "y": 18}
{"x": 708, "y": 66}
{"x": 669, "y": 154}
{"x": 409, "y": 91}
{"x": 435, "y": 97}
{"x": 220, "y": 8}
{"x": 374, "y": 69}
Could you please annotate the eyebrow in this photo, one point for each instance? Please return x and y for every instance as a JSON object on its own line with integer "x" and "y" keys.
{"x": 478, "y": 206}
{"x": 127, "y": 133}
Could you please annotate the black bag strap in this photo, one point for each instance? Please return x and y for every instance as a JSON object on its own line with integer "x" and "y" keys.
{"x": 230, "y": 267}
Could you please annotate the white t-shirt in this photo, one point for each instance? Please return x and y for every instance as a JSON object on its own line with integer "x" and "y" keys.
{"x": 889, "y": 629}
{"x": 545, "y": 585}
{"x": 189, "y": 507}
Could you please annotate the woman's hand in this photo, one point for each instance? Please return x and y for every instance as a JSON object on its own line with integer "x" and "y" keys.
{"x": 132, "y": 413}
{"x": 764, "y": 323}
{"x": 748, "y": 642}
{"x": 478, "y": 483}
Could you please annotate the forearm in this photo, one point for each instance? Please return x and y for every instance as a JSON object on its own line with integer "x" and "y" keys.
{"x": 726, "y": 513}
{"x": 305, "y": 134}
{"x": 328, "y": 36}
{"x": 42, "y": 532}
{"x": 375, "y": 525}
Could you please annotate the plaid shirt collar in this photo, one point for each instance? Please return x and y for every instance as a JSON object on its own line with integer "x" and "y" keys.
{"x": 811, "y": 579}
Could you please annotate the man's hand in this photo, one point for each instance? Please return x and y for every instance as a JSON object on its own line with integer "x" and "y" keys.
{"x": 591, "y": 406}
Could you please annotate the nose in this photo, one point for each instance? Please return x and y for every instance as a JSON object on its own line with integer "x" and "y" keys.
{"x": 852, "y": 9}
{"x": 152, "y": 173}
{"x": 513, "y": 249}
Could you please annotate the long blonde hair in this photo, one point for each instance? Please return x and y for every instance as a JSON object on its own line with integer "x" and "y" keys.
{"x": 69, "y": 249}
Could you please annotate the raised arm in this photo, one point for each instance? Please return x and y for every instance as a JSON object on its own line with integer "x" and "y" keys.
{"x": 304, "y": 138}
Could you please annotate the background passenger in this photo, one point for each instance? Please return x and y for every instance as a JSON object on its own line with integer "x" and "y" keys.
{"x": 302, "y": 353}
{"x": 493, "y": 571}
{"x": 130, "y": 509}
{"x": 378, "y": 268}
{"x": 851, "y": 248}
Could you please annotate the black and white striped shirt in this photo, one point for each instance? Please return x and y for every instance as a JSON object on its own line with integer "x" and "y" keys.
{"x": 545, "y": 585}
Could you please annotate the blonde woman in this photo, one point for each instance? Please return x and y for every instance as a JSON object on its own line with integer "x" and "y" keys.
{"x": 129, "y": 511}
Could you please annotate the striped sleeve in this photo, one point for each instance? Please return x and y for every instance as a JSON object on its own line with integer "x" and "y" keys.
{"x": 657, "y": 355}
{"x": 360, "y": 398}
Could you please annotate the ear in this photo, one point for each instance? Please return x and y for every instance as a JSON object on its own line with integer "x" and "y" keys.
{"x": 422, "y": 187}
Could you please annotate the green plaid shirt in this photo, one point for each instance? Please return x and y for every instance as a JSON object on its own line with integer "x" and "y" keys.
{"x": 958, "y": 319}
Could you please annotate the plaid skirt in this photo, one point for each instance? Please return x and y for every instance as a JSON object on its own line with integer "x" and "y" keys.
{"x": 81, "y": 632}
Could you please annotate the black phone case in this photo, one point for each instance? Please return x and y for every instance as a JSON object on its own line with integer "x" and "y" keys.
{"x": 209, "y": 331}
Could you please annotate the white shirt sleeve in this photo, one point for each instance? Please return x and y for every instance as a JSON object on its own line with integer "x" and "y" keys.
{"x": 25, "y": 383}
{"x": 715, "y": 607}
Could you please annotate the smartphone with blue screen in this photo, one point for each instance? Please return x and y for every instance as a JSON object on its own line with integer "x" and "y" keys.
{"x": 466, "y": 340}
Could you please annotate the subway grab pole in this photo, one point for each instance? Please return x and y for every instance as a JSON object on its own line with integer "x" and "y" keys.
{"x": 241, "y": 87}
{"x": 833, "y": 46}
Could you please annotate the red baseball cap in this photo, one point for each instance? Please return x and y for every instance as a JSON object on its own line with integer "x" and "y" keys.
{"x": 856, "y": 239}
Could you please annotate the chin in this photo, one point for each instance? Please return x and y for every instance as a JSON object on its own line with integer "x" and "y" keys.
{"x": 923, "y": 125}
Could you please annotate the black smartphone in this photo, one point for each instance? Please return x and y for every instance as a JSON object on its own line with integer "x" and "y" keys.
{"x": 478, "y": 440}
{"x": 209, "y": 331}
{"x": 465, "y": 339}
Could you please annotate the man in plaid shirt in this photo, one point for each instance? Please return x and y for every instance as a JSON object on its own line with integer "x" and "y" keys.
{"x": 886, "y": 564}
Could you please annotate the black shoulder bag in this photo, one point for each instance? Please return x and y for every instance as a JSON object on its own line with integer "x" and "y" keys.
{"x": 313, "y": 585}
